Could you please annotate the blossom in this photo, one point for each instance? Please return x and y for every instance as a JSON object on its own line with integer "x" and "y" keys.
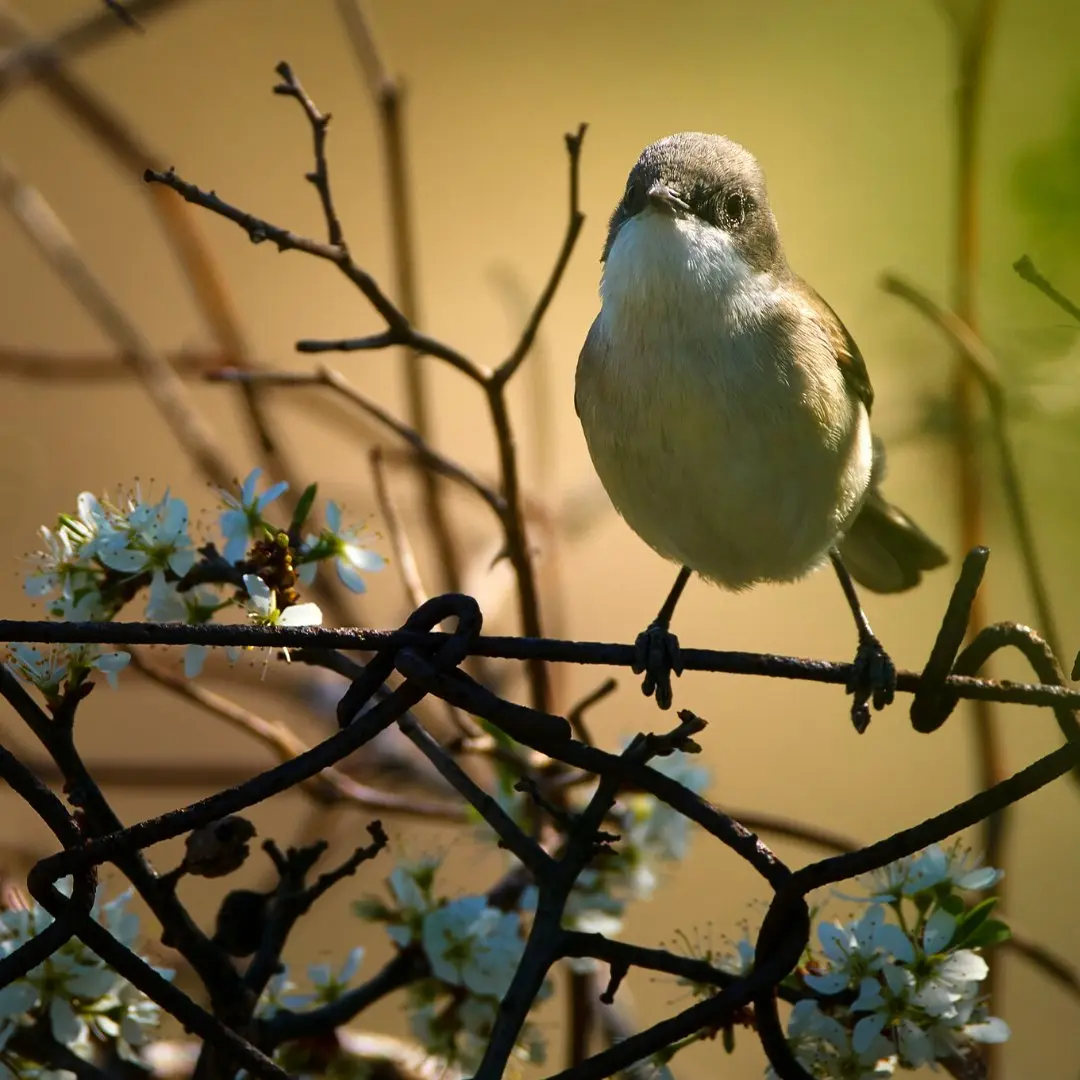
{"x": 741, "y": 961}
{"x": 954, "y": 868}
{"x": 472, "y": 945}
{"x": 412, "y": 885}
{"x": 242, "y": 518}
{"x": 263, "y": 609}
{"x": 58, "y": 563}
{"x": 148, "y": 536}
{"x": 825, "y": 1047}
{"x": 350, "y": 556}
{"x": 858, "y": 949}
{"x": 63, "y": 664}
{"x": 46, "y": 672}
{"x": 73, "y": 991}
{"x": 343, "y": 544}
{"x": 327, "y": 985}
{"x": 110, "y": 664}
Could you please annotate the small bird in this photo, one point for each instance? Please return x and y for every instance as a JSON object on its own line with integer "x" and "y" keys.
{"x": 727, "y": 409}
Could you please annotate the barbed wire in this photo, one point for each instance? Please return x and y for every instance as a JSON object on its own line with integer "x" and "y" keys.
{"x": 428, "y": 663}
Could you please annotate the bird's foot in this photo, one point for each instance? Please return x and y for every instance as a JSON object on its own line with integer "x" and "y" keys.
{"x": 657, "y": 656}
{"x": 872, "y": 680}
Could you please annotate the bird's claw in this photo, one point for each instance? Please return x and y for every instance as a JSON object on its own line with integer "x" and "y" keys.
{"x": 657, "y": 656}
{"x": 872, "y": 680}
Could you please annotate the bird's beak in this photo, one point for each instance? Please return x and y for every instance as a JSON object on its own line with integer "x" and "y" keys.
{"x": 664, "y": 198}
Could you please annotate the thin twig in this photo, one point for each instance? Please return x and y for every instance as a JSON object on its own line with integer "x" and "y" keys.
{"x": 388, "y": 98}
{"x": 47, "y": 365}
{"x": 402, "y": 549}
{"x": 124, "y": 15}
{"x": 166, "y": 390}
{"x": 331, "y": 786}
{"x": 978, "y": 359}
{"x": 527, "y": 850}
{"x": 29, "y": 61}
{"x": 334, "y": 380}
{"x": 505, "y": 371}
{"x": 399, "y": 332}
{"x": 576, "y": 715}
{"x": 1026, "y": 268}
{"x": 406, "y": 563}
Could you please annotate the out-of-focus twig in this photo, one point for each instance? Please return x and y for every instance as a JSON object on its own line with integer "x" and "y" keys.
{"x": 27, "y": 61}
{"x": 399, "y": 540}
{"x": 133, "y": 155}
{"x": 1026, "y": 268}
{"x": 166, "y": 390}
{"x": 334, "y": 380}
{"x": 47, "y": 365}
{"x": 983, "y": 368}
{"x": 124, "y": 15}
{"x": 973, "y": 28}
{"x": 402, "y": 551}
{"x": 328, "y": 787}
{"x": 389, "y": 100}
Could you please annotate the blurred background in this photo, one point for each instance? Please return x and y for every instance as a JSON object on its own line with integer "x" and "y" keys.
{"x": 850, "y": 109}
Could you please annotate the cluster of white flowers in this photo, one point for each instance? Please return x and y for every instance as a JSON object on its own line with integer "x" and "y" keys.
{"x": 473, "y": 950}
{"x": 94, "y": 562}
{"x": 906, "y": 974}
{"x": 74, "y": 995}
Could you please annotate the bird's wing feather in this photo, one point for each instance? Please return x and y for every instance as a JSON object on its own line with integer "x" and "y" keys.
{"x": 851, "y": 362}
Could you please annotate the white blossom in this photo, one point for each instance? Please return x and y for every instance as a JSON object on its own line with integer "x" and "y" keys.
{"x": 857, "y": 949}
{"x": 74, "y": 991}
{"x": 473, "y": 945}
{"x": 242, "y": 519}
{"x": 349, "y": 554}
{"x": 327, "y": 985}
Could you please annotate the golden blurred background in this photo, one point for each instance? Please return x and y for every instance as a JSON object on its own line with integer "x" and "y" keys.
{"x": 849, "y": 106}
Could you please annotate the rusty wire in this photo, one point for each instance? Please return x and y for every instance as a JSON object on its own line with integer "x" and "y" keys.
{"x": 429, "y": 663}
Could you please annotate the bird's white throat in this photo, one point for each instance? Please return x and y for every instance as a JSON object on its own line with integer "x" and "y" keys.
{"x": 661, "y": 264}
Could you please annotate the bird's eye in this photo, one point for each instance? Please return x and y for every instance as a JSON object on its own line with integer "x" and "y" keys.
{"x": 735, "y": 206}
{"x": 632, "y": 196}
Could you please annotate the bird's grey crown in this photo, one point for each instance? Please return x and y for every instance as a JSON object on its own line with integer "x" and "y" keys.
{"x": 721, "y": 182}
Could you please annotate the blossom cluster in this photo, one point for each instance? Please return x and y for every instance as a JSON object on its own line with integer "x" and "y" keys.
{"x": 73, "y": 995}
{"x": 472, "y": 950}
{"x": 900, "y": 986}
{"x": 96, "y": 561}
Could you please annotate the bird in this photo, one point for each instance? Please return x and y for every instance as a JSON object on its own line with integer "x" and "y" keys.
{"x": 726, "y": 408}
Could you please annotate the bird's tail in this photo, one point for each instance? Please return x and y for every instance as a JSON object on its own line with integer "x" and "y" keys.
{"x": 883, "y": 549}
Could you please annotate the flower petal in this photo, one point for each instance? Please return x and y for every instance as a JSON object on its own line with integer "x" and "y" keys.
{"x": 301, "y": 615}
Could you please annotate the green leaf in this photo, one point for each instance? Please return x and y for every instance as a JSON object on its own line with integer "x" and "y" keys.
{"x": 729, "y": 1040}
{"x": 973, "y": 919}
{"x": 953, "y": 904}
{"x": 303, "y": 508}
{"x": 371, "y": 909}
{"x": 992, "y": 932}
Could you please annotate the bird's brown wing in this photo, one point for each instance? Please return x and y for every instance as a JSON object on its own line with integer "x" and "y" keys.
{"x": 883, "y": 548}
{"x": 850, "y": 360}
